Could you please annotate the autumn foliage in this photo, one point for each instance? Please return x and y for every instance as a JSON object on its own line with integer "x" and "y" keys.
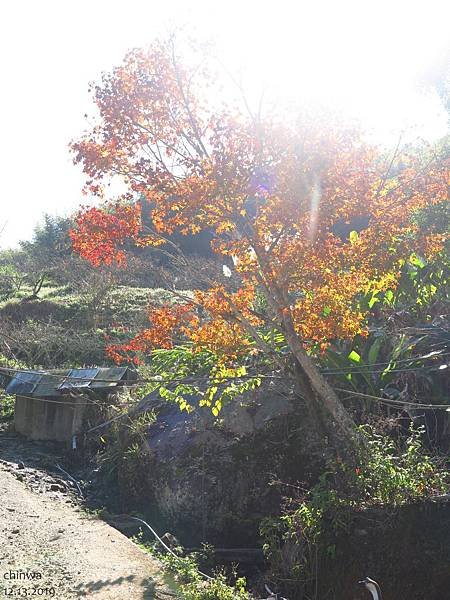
{"x": 310, "y": 215}
{"x": 100, "y": 233}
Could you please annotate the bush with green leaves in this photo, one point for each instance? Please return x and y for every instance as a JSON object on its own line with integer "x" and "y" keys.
{"x": 403, "y": 357}
{"x": 389, "y": 475}
{"x": 6, "y": 407}
{"x": 7, "y": 401}
{"x": 392, "y": 476}
{"x": 195, "y": 586}
{"x": 215, "y": 589}
{"x": 11, "y": 281}
{"x": 192, "y": 582}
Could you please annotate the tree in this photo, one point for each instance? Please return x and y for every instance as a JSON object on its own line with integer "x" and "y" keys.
{"x": 42, "y": 257}
{"x": 11, "y": 279}
{"x": 50, "y": 237}
{"x": 281, "y": 197}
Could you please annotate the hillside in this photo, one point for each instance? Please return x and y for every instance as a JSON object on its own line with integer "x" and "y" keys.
{"x": 253, "y": 473}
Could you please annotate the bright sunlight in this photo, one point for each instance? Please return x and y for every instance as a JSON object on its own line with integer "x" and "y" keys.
{"x": 377, "y": 62}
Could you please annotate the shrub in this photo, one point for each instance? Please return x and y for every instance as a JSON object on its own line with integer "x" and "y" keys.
{"x": 195, "y": 586}
{"x": 6, "y": 407}
{"x": 388, "y": 475}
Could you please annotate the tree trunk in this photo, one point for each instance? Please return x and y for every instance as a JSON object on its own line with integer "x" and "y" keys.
{"x": 329, "y": 412}
{"x": 38, "y": 285}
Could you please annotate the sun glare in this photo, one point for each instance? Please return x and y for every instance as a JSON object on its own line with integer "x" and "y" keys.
{"x": 371, "y": 61}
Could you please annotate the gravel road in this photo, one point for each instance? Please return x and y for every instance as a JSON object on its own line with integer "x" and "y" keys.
{"x": 50, "y": 548}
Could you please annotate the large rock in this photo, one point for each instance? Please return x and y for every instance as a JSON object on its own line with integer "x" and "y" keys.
{"x": 213, "y": 480}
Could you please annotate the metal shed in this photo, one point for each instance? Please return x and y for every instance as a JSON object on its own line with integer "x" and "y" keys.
{"x": 51, "y": 405}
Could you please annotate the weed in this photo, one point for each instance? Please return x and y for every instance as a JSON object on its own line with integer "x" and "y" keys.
{"x": 193, "y": 584}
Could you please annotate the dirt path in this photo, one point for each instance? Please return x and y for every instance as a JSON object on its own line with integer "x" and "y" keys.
{"x": 50, "y": 548}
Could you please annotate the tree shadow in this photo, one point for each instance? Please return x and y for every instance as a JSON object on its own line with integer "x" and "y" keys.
{"x": 149, "y": 587}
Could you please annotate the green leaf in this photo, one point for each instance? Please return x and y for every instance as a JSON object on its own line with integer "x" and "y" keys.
{"x": 417, "y": 261}
{"x": 374, "y": 350}
{"x": 389, "y": 296}
{"x": 354, "y": 356}
{"x": 373, "y": 300}
{"x": 353, "y": 237}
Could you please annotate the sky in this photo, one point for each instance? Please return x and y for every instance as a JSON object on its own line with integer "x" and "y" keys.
{"x": 368, "y": 57}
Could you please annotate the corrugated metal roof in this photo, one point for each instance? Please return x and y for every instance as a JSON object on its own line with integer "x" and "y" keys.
{"x": 55, "y": 383}
{"x": 112, "y": 374}
{"x": 78, "y": 378}
{"x": 48, "y": 384}
{"x": 24, "y": 383}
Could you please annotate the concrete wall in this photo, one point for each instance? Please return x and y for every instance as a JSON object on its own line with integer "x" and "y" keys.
{"x": 56, "y": 419}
